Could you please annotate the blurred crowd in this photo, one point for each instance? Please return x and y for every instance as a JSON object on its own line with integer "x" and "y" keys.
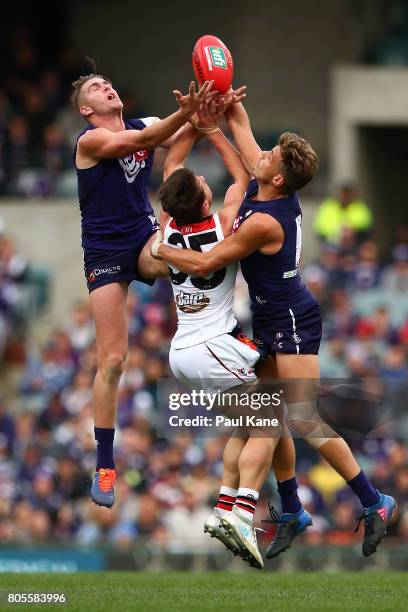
{"x": 24, "y": 292}
{"x": 166, "y": 487}
{"x": 35, "y": 132}
{"x": 363, "y": 296}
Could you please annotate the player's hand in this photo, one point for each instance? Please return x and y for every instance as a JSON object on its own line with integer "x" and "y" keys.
{"x": 232, "y": 96}
{"x": 191, "y": 102}
{"x": 154, "y": 247}
{"x": 209, "y": 113}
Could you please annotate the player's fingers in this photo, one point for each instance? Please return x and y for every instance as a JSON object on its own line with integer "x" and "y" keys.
{"x": 206, "y": 88}
{"x": 239, "y": 90}
{"x": 202, "y": 90}
{"x": 178, "y": 94}
{"x": 191, "y": 90}
{"x": 239, "y": 94}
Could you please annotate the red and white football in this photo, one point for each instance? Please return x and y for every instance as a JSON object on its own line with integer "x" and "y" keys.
{"x": 212, "y": 61}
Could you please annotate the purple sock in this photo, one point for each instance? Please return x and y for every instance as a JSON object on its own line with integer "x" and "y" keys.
{"x": 364, "y": 490}
{"x": 104, "y": 448}
{"x": 287, "y": 490}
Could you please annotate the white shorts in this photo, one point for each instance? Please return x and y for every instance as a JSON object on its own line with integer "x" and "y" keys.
{"x": 215, "y": 365}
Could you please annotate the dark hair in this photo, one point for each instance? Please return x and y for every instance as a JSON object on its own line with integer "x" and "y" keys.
{"x": 77, "y": 86}
{"x": 299, "y": 161}
{"x": 182, "y": 197}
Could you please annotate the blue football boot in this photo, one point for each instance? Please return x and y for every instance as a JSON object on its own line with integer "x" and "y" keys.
{"x": 103, "y": 487}
{"x": 376, "y": 520}
{"x": 290, "y": 525}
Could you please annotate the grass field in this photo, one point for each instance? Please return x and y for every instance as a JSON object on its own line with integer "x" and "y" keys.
{"x": 222, "y": 591}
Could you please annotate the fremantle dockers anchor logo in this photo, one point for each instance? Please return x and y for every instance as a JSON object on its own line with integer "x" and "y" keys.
{"x": 238, "y": 220}
{"x": 133, "y": 163}
{"x": 191, "y": 302}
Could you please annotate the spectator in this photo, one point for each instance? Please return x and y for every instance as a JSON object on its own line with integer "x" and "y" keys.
{"x": 346, "y": 211}
{"x": 7, "y": 430}
{"x": 367, "y": 272}
{"x": 395, "y": 277}
{"x": 192, "y": 512}
{"x": 18, "y": 155}
{"x": 37, "y": 117}
{"x": 56, "y": 155}
{"x": 341, "y": 534}
{"x": 80, "y": 327}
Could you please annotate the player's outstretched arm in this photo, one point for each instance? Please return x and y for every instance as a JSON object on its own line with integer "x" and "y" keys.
{"x": 102, "y": 143}
{"x": 177, "y": 155}
{"x": 236, "y": 192}
{"x": 209, "y": 116}
{"x": 180, "y": 149}
{"x": 239, "y": 124}
{"x": 258, "y": 231}
{"x": 230, "y": 157}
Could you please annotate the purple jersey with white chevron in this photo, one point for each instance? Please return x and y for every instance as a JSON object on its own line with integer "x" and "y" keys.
{"x": 273, "y": 281}
{"x": 114, "y": 199}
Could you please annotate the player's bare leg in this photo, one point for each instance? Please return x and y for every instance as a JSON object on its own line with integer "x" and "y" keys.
{"x": 338, "y": 454}
{"x": 377, "y": 508}
{"x": 232, "y": 452}
{"x": 108, "y": 304}
{"x": 247, "y": 460}
{"x": 284, "y": 457}
{"x": 253, "y": 464}
{"x": 228, "y": 491}
{"x": 255, "y": 461}
{"x": 333, "y": 448}
{"x": 284, "y": 465}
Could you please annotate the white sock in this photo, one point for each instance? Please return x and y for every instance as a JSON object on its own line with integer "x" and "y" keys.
{"x": 226, "y": 499}
{"x": 228, "y": 491}
{"x": 245, "y": 503}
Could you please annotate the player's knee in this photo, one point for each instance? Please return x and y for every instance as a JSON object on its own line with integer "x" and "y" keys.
{"x": 302, "y": 429}
{"x": 112, "y": 366}
{"x": 316, "y": 432}
{"x": 302, "y": 417}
